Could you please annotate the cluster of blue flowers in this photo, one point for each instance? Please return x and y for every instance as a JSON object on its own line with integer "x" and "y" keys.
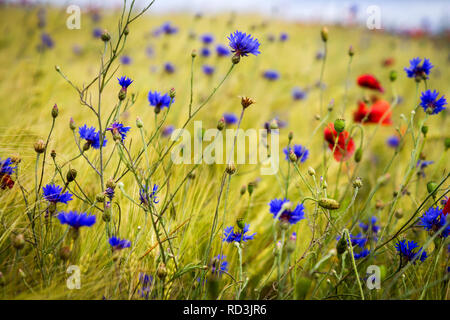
{"x": 91, "y": 136}
{"x": 239, "y": 236}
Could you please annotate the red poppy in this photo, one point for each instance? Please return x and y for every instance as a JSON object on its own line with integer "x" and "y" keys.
{"x": 446, "y": 209}
{"x": 370, "y": 82}
{"x": 345, "y": 146}
{"x": 379, "y": 109}
{"x": 6, "y": 181}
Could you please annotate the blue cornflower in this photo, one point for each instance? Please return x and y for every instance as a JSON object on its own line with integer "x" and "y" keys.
{"x": 207, "y": 38}
{"x": 300, "y": 151}
{"x": 109, "y": 192}
{"x": 159, "y": 100}
{"x": 281, "y": 124}
{"x": 363, "y": 253}
{"x": 422, "y": 164}
{"x": 284, "y": 36}
{"x": 169, "y": 67}
{"x": 372, "y": 225}
{"x": 219, "y": 265}
{"x": 222, "y": 50}
{"x": 146, "y": 282}
{"x": 119, "y": 244}
{"x": 430, "y": 103}
{"x": 243, "y": 44}
{"x": 271, "y": 75}
{"x": 126, "y": 60}
{"x": 207, "y": 69}
{"x": 147, "y": 197}
{"x": 205, "y": 52}
{"x": 6, "y": 167}
{"x": 298, "y": 94}
{"x": 291, "y": 216}
{"x": 230, "y": 118}
{"x": 433, "y": 220}
{"x": 150, "y": 51}
{"x": 91, "y": 136}
{"x": 358, "y": 240}
{"x": 229, "y": 235}
{"x": 54, "y": 194}
{"x": 124, "y": 82}
{"x": 167, "y": 28}
{"x": 417, "y": 71}
{"x": 408, "y": 252}
{"x": 47, "y": 40}
{"x": 76, "y": 220}
{"x": 97, "y": 32}
{"x": 393, "y": 141}
{"x": 117, "y": 128}
{"x": 167, "y": 130}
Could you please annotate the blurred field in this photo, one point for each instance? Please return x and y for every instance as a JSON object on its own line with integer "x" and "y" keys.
{"x": 29, "y": 86}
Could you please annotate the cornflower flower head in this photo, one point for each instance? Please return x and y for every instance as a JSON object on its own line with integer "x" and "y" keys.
{"x": 370, "y": 226}
{"x": 422, "y": 164}
{"x": 207, "y": 69}
{"x": 363, "y": 253}
{"x": 300, "y": 151}
{"x": 430, "y": 103}
{"x": 410, "y": 251}
{"x": 47, "y": 41}
{"x": 207, "y": 38}
{"x": 271, "y": 75}
{"x": 125, "y": 60}
{"x": 91, "y": 136}
{"x": 159, "y": 100}
{"x": 119, "y": 244}
{"x": 146, "y": 282}
{"x": 230, "y": 118}
{"x": 240, "y": 236}
{"x": 124, "y": 82}
{"x": 222, "y": 50}
{"x": 76, "y": 220}
{"x": 97, "y": 33}
{"x": 6, "y": 170}
{"x": 117, "y": 129}
{"x": 393, "y": 141}
{"x": 167, "y": 130}
{"x": 168, "y": 28}
{"x": 53, "y": 194}
{"x": 284, "y": 36}
{"x": 147, "y": 197}
{"x": 279, "y": 207}
{"x": 109, "y": 192}
{"x": 433, "y": 220}
{"x": 418, "y": 71}
{"x": 169, "y": 67}
{"x": 205, "y": 52}
{"x": 298, "y": 94}
{"x": 219, "y": 265}
{"x": 243, "y": 44}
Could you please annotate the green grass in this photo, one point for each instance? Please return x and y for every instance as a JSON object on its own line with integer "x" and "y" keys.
{"x": 29, "y": 86}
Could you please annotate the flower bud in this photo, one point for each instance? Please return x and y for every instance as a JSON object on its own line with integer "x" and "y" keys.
{"x": 230, "y": 169}
{"x": 126, "y": 31}
{"x": 351, "y": 51}
{"x": 71, "y": 175}
{"x": 243, "y": 189}
{"x": 399, "y": 213}
{"x": 311, "y": 171}
{"x": 324, "y": 34}
{"x": 221, "y": 124}
{"x": 447, "y": 143}
{"x": 240, "y": 223}
{"x": 424, "y": 130}
{"x": 328, "y": 203}
{"x": 139, "y": 123}
{"x": 357, "y": 183}
{"x": 246, "y": 102}
{"x": 358, "y": 155}
{"x": 18, "y": 241}
{"x": 105, "y": 36}
{"x": 273, "y": 124}
{"x": 53, "y": 154}
{"x": 162, "y": 271}
{"x": 106, "y": 216}
{"x": 100, "y": 197}
{"x": 191, "y": 175}
{"x": 292, "y": 156}
{"x": 39, "y": 146}
{"x": 122, "y": 94}
{"x": 194, "y": 53}
{"x": 55, "y": 111}
{"x": 379, "y": 204}
{"x": 393, "y": 75}
{"x": 339, "y": 125}
{"x": 64, "y": 253}
{"x": 58, "y": 68}
{"x": 172, "y": 93}
{"x": 111, "y": 183}
{"x": 432, "y": 188}
{"x": 72, "y": 124}
{"x": 341, "y": 246}
{"x": 290, "y": 135}
{"x": 251, "y": 187}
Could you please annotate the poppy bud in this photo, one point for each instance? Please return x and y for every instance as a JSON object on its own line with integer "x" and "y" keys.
{"x": 328, "y": 203}
{"x": 39, "y": 146}
{"x": 55, "y": 111}
{"x": 358, "y": 155}
{"x": 393, "y": 75}
{"x": 18, "y": 241}
{"x": 425, "y": 130}
{"x": 324, "y": 34}
{"x": 339, "y": 125}
{"x": 71, "y": 175}
{"x": 432, "y": 187}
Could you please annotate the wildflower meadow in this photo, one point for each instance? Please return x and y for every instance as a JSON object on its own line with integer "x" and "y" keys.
{"x": 221, "y": 156}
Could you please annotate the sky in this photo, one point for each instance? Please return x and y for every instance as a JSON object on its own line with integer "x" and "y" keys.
{"x": 394, "y": 14}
